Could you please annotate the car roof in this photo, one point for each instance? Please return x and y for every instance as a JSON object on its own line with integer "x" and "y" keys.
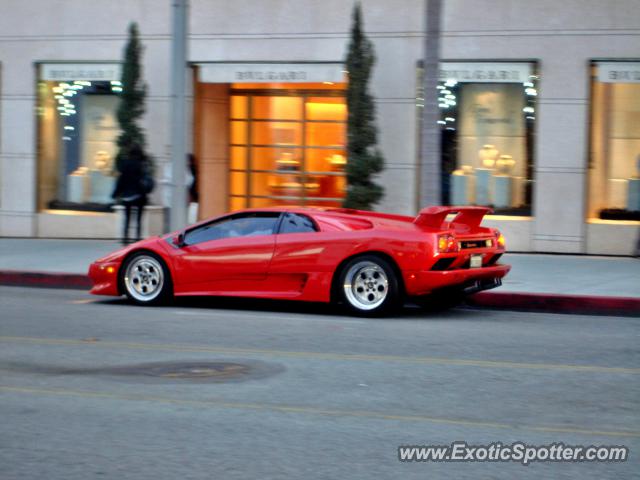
{"x": 350, "y": 219}
{"x": 331, "y": 211}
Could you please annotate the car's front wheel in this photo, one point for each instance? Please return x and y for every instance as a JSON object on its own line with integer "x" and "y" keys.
{"x": 368, "y": 285}
{"x": 145, "y": 279}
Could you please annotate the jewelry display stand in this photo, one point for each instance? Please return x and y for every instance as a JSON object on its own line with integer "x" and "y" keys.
{"x": 77, "y": 186}
{"x": 633, "y": 196}
{"x": 483, "y": 186}
{"x": 101, "y": 187}
{"x": 462, "y": 188}
{"x": 503, "y": 182}
{"x": 503, "y": 191}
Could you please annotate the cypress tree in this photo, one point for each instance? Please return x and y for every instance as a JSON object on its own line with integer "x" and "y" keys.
{"x": 364, "y": 158}
{"x": 132, "y": 98}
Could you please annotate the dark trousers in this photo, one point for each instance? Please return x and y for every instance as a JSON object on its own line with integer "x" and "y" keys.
{"x": 138, "y": 204}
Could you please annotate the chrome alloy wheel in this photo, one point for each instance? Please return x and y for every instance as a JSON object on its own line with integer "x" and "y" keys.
{"x": 144, "y": 278}
{"x": 366, "y": 285}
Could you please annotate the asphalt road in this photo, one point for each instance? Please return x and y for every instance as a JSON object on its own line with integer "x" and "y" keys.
{"x": 94, "y": 388}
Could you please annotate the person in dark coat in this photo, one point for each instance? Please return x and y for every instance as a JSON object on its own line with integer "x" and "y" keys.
{"x": 193, "y": 186}
{"x": 129, "y": 190}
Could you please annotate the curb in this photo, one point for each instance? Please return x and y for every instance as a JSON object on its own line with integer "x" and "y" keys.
{"x": 557, "y": 303}
{"x": 72, "y": 281}
{"x": 529, "y": 302}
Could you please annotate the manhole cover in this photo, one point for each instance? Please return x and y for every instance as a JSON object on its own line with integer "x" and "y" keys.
{"x": 202, "y": 370}
{"x": 195, "y": 372}
{"x": 232, "y": 370}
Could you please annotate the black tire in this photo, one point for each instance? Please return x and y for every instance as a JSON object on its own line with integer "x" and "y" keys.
{"x": 367, "y": 285}
{"x": 145, "y": 279}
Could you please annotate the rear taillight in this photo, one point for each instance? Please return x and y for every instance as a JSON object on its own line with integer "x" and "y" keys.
{"x": 447, "y": 244}
{"x": 500, "y": 241}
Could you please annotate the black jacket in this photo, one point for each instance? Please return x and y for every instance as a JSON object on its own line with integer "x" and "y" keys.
{"x": 129, "y": 185}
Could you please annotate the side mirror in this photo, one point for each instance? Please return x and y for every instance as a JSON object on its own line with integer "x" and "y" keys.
{"x": 178, "y": 240}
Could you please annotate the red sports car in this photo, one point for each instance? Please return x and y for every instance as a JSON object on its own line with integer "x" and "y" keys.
{"x": 367, "y": 261}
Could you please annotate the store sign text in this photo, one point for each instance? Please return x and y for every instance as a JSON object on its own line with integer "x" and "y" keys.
{"x": 481, "y": 75}
{"x": 619, "y": 72}
{"x": 271, "y": 76}
{"x": 90, "y": 72}
{"x": 504, "y": 72}
{"x": 270, "y": 72}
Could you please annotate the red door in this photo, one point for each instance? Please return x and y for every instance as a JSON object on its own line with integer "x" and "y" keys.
{"x": 298, "y": 257}
{"x": 230, "y": 255}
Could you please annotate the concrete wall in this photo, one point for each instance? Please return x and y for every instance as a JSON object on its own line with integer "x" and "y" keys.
{"x": 212, "y": 148}
{"x": 66, "y": 30}
{"x": 561, "y": 36}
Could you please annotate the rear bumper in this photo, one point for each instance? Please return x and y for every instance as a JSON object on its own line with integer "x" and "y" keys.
{"x": 470, "y": 280}
{"x": 104, "y": 277}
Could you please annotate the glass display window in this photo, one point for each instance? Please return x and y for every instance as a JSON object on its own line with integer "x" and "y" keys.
{"x": 326, "y": 108}
{"x": 487, "y": 124}
{"x": 276, "y": 133}
{"x": 77, "y": 132}
{"x": 277, "y": 108}
{"x": 287, "y": 146}
{"x": 614, "y": 160}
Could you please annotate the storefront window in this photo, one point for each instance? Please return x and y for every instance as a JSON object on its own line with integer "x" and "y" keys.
{"x": 287, "y": 146}
{"x": 488, "y": 112}
{"x": 77, "y": 131}
{"x": 614, "y": 167}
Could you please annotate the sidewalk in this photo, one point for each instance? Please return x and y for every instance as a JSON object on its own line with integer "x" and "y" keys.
{"x": 536, "y": 281}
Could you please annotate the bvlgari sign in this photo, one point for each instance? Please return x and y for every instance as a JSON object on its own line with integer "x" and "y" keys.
{"x": 619, "y": 72}
{"x": 253, "y": 75}
{"x": 484, "y": 72}
{"x": 93, "y": 72}
{"x": 270, "y": 72}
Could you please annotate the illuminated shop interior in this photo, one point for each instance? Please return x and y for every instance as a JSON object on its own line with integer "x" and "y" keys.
{"x": 614, "y": 161}
{"x": 274, "y": 143}
{"x": 287, "y": 146}
{"x": 77, "y": 131}
{"x": 487, "y": 120}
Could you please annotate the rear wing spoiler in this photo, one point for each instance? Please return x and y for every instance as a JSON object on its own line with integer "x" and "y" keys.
{"x": 434, "y": 217}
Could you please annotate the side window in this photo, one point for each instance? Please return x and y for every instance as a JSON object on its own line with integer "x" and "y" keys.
{"x": 246, "y": 225}
{"x": 294, "y": 223}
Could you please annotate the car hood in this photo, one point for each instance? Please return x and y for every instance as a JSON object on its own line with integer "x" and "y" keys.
{"x": 114, "y": 256}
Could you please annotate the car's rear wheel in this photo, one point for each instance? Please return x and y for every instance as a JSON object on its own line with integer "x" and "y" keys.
{"x": 145, "y": 279}
{"x": 368, "y": 285}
